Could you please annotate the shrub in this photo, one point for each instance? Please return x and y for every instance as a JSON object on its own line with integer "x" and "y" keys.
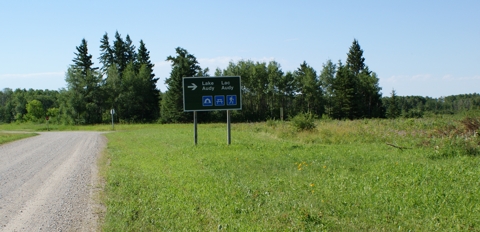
{"x": 304, "y": 121}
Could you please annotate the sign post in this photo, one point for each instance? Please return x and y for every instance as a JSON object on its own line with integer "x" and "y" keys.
{"x": 47, "y": 118}
{"x": 211, "y": 93}
{"x": 112, "y": 112}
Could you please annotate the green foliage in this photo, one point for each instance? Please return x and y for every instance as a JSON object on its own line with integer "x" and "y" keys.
{"x": 327, "y": 77}
{"x": 304, "y": 121}
{"x": 35, "y": 111}
{"x": 126, "y": 83}
{"x": 309, "y": 92}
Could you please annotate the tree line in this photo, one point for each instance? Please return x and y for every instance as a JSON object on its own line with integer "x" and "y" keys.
{"x": 125, "y": 82}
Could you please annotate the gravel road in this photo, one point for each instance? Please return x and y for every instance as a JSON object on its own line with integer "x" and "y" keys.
{"x": 49, "y": 182}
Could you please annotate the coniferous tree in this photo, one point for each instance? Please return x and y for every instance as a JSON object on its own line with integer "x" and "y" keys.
{"x": 83, "y": 83}
{"x": 151, "y": 95}
{"x": 83, "y": 60}
{"x": 119, "y": 53}
{"x": 130, "y": 53}
{"x": 369, "y": 102}
{"x": 393, "y": 110}
{"x": 106, "y": 54}
{"x": 355, "y": 60}
{"x": 183, "y": 65}
{"x": 345, "y": 98}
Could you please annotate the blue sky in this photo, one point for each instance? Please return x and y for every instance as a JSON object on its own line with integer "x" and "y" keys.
{"x": 426, "y": 48}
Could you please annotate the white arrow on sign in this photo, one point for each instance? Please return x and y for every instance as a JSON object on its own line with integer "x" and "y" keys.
{"x": 193, "y": 86}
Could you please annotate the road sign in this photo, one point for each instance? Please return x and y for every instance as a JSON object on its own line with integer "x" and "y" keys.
{"x": 211, "y": 93}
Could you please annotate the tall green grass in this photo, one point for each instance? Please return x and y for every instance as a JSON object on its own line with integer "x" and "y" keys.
{"x": 6, "y": 137}
{"x": 340, "y": 176}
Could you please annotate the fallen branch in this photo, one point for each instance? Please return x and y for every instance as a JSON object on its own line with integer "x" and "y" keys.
{"x": 395, "y": 146}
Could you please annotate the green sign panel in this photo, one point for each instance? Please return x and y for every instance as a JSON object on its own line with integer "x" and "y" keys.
{"x": 211, "y": 93}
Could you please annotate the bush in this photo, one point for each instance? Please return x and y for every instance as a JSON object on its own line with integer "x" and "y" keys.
{"x": 304, "y": 121}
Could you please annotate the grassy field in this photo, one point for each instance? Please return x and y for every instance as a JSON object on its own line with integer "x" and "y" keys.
{"x": 364, "y": 175}
{"x": 29, "y": 127}
{"x": 6, "y": 137}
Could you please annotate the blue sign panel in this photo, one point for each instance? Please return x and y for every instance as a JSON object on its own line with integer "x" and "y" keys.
{"x": 219, "y": 100}
{"x": 231, "y": 100}
{"x": 207, "y": 100}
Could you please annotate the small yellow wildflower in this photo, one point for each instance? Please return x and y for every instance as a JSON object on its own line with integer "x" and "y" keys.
{"x": 311, "y": 185}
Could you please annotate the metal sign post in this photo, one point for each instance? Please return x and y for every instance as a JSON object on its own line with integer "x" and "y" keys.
{"x": 212, "y": 93}
{"x": 229, "y": 138}
{"x": 195, "y": 127}
{"x": 112, "y": 112}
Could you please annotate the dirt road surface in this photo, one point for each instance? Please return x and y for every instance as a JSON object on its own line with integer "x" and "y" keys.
{"x": 49, "y": 182}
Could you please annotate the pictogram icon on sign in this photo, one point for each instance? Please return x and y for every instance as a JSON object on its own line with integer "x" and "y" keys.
{"x": 207, "y": 100}
{"x": 219, "y": 100}
{"x": 231, "y": 100}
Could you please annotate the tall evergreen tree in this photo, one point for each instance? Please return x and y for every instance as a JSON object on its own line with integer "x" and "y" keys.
{"x": 345, "y": 99}
{"x": 150, "y": 92}
{"x": 355, "y": 60}
{"x": 367, "y": 90}
{"x": 393, "y": 109}
{"x": 83, "y": 83}
{"x": 83, "y": 60}
{"x": 106, "y": 54}
{"x": 183, "y": 65}
{"x": 130, "y": 53}
{"x": 119, "y": 53}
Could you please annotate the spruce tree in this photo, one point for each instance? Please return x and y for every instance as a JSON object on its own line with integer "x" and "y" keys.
{"x": 150, "y": 92}
{"x": 130, "y": 53}
{"x": 368, "y": 94}
{"x": 119, "y": 53}
{"x": 183, "y": 65}
{"x": 345, "y": 99}
{"x": 393, "y": 109}
{"x": 84, "y": 82}
{"x": 106, "y": 54}
{"x": 83, "y": 60}
{"x": 355, "y": 60}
